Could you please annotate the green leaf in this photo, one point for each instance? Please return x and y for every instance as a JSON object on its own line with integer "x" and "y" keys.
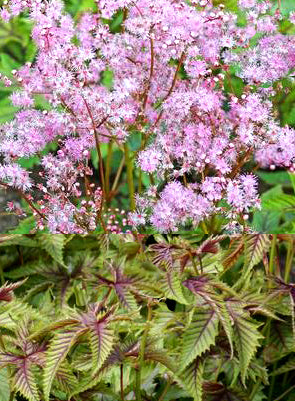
{"x": 17, "y": 239}
{"x": 246, "y": 335}
{"x": 266, "y": 221}
{"x": 7, "y": 64}
{"x": 281, "y": 203}
{"x": 25, "y": 383}
{"x": 4, "y": 385}
{"x": 231, "y": 5}
{"x": 255, "y": 246}
{"x": 287, "y": 367}
{"x": 53, "y": 245}
{"x": 172, "y": 287}
{"x": 65, "y": 378}
{"x": 200, "y": 335}
{"x": 101, "y": 342}
{"x": 56, "y": 354}
{"x": 25, "y": 226}
{"x": 281, "y": 342}
{"x": 192, "y": 379}
{"x": 275, "y": 177}
{"x": 7, "y": 110}
{"x": 292, "y": 178}
{"x": 233, "y": 253}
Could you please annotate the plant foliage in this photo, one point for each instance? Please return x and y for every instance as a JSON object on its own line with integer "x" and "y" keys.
{"x": 118, "y": 317}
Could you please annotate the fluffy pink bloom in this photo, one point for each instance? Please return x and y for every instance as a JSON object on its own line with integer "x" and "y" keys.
{"x": 169, "y": 80}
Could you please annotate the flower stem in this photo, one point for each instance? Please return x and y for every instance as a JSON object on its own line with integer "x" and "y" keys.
{"x": 108, "y": 170}
{"x": 289, "y": 260}
{"x": 272, "y": 254}
{"x": 130, "y": 181}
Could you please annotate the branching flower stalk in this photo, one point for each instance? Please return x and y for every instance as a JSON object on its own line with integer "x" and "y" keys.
{"x": 130, "y": 318}
{"x": 193, "y": 83}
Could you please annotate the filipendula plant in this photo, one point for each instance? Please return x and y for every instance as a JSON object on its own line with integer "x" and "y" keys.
{"x": 114, "y": 318}
{"x": 170, "y": 102}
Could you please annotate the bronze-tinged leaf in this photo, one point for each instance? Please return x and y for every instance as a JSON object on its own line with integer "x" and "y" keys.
{"x": 24, "y": 381}
{"x": 210, "y": 245}
{"x": 235, "y": 250}
{"x": 192, "y": 377}
{"x": 214, "y": 391}
{"x": 255, "y": 246}
{"x": 163, "y": 254}
{"x": 6, "y": 291}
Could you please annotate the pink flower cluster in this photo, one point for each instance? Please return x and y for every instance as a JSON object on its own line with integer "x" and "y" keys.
{"x": 171, "y": 65}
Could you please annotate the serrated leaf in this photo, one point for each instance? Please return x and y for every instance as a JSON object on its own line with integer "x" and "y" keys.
{"x": 287, "y": 367}
{"x": 65, "y": 378}
{"x": 203, "y": 286}
{"x": 255, "y": 246}
{"x": 56, "y": 354}
{"x": 24, "y": 381}
{"x": 281, "y": 342}
{"x": 246, "y": 335}
{"x": 6, "y": 291}
{"x": 53, "y": 245}
{"x": 101, "y": 343}
{"x": 233, "y": 253}
{"x": 126, "y": 298}
{"x": 280, "y": 203}
{"x": 192, "y": 379}
{"x": 172, "y": 287}
{"x": 199, "y": 336}
{"x": 4, "y": 385}
{"x": 17, "y": 239}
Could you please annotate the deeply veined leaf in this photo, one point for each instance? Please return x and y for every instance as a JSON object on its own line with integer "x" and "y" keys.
{"x": 281, "y": 203}
{"x": 200, "y": 335}
{"x": 157, "y": 355}
{"x": 57, "y": 352}
{"x": 192, "y": 378}
{"x": 4, "y": 385}
{"x": 172, "y": 287}
{"x": 10, "y": 312}
{"x": 24, "y": 381}
{"x": 101, "y": 342}
{"x": 203, "y": 286}
{"x": 246, "y": 335}
{"x": 126, "y": 298}
{"x": 232, "y": 254}
{"x": 214, "y": 391}
{"x": 65, "y": 378}
{"x": 6, "y": 291}
{"x": 224, "y": 318}
{"x": 281, "y": 342}
{"x": 287, "y": 367}
{"x": 17, "y": 239}
{"x": 51, "y": 327}
{"x": 53, "y": 245}
{"x": 24, "y": 271}
{"x": 255, "y": 246}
